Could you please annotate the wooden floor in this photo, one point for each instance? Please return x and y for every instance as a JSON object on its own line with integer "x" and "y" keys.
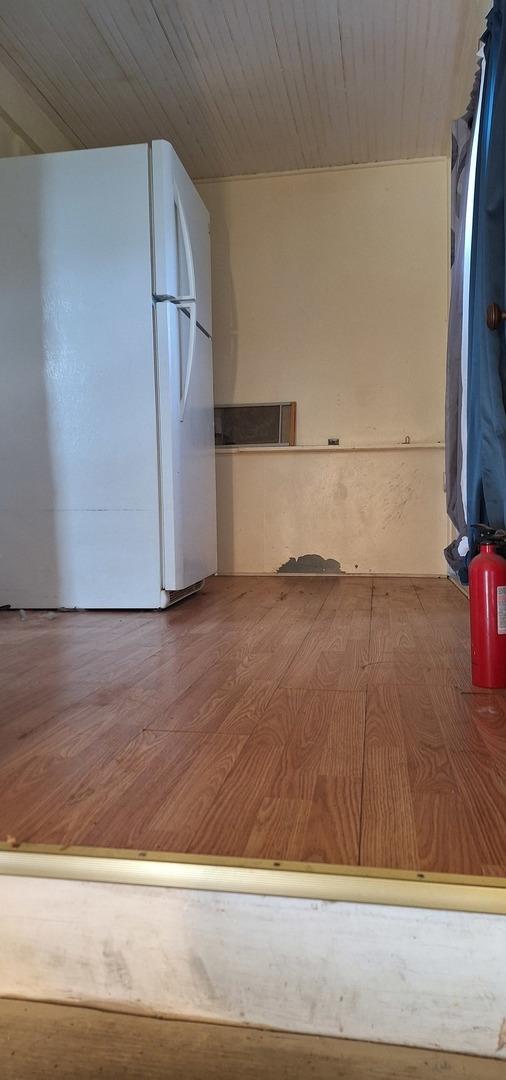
{"x": 42, "y": 1041}
{"x": 307, "y": 719}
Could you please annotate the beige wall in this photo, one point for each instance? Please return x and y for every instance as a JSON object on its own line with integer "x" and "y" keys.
{"x": 330, "y": 288}
{"x": 11, "y": 143}
{"x": 374, "y": 511}
{"x": 24, "y": 127}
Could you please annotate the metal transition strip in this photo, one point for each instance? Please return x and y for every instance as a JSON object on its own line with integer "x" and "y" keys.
{"x": 303, "y": 881}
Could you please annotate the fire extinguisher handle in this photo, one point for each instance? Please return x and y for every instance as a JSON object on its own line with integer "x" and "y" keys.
{"x": 487, "y": 532}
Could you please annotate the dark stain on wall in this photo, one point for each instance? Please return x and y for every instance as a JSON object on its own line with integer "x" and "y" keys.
{"x": 310, "y": 564}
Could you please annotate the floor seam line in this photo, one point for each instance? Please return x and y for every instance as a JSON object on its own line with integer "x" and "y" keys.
{"x": 362, "y": 785}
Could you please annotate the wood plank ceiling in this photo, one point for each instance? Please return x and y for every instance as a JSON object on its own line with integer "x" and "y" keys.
{"x": 246, "y": 86}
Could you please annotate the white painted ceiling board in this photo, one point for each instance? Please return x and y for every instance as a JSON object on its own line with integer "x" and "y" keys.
{"x": 246, "y": 86}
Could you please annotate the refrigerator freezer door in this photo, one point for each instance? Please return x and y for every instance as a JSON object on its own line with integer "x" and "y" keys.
{"x": 79, "y": 507}
{"x": 182, "y": 254}
{"x": 187, "y": 455}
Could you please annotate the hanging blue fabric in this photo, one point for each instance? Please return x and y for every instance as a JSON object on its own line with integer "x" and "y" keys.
{"x": 486, "y": 400}
{"x": 465, "y": 134}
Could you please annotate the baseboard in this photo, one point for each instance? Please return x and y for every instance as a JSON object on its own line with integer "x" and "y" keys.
{"x": 345, "y": 574}
{"x": 458, "y": 584}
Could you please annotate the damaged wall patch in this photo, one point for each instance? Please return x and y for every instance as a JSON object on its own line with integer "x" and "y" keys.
{"x": 310, "y": 564}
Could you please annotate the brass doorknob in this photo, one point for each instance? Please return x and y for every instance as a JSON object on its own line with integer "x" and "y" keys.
{"x": 495, "y": 316}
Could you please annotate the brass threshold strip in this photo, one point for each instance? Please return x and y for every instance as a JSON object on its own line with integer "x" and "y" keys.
{"x": 258, "y": 877}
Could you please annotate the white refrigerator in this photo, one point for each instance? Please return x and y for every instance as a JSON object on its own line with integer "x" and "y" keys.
{"x": 107, "y": 475}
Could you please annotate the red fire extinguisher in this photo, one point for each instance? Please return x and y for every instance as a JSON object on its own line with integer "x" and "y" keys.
{"x": 487, "y": 597}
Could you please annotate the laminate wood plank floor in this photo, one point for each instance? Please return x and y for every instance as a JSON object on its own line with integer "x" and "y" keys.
{"x": 305, "y": 719}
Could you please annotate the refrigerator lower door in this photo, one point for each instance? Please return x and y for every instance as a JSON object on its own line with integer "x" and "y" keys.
{"x": 187, "y": 455}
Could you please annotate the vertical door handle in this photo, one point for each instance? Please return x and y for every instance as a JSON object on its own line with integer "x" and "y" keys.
{"x": 189, "y": 305}
{"x": 191, "y": 308}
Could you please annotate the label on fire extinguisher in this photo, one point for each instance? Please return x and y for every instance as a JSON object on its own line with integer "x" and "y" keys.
{"x": 501, "y": 609}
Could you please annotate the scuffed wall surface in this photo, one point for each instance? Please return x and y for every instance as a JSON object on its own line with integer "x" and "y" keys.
{"x": 331, "y": 289}
{"x": 373, "y": 511}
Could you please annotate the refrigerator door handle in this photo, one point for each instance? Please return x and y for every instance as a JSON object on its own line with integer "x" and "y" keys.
{"x": 186, "y": 303}
{"x": 185, "y": 234}
{"x": 167, "y": 298}
{"x": 190, "y": 307}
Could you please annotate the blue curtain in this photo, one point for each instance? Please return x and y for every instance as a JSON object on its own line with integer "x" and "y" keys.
{"x": 462, "y": 197}
{"x": 486, "y": 394}
{"x": 476, "y": 363}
